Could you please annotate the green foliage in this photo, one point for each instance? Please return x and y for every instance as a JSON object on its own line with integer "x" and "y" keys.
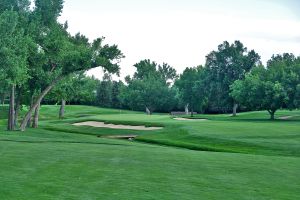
{"x": 270, "y": 88}
{"x": 147, "y": 68}
{"x": 229, "y": 63}
{"x": 76, "y": 88}
{"x": 48, "y": 10}
{"x": 116, "y": 90}
{"x": 15, "y": 5}
{"x": 13, "y": 49}
{"x": 191, "y": 85}
{"x": 104, "y": 92}
{"x": 150, "y": 88}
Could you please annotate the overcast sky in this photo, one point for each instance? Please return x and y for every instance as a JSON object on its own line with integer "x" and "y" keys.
{"x": 182, "y": 32}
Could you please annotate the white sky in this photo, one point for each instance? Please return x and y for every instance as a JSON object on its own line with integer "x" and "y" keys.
{"x": 182, "y": 32}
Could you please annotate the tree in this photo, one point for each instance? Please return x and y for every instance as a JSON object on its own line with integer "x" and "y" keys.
{"x": 149, "y": 88}
{"x": 116, "y": 89}
{"x": 63, "y": 92}
{"x": 229, "y": 63}
{"x": 285, "y": 69}
{"x": 14, "y": 5}
{"x": 104, "y": 91}
{"x": 85, "y": 89}
{"x": 64, "y": 54}
{"x": 270, "y": 88}
{"x": 74, "y": 89}
{"x": 67, "y": 55}
{"x": 191, "y": 88}
{"x": 13, "y": 57}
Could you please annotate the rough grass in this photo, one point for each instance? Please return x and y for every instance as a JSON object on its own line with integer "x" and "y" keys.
{"x": 247, "y": 157}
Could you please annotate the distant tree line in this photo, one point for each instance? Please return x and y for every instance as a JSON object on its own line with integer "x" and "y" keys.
{"x": 233, "y": 79}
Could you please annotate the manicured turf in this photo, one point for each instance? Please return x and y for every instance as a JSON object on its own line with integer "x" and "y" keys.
{"x": 247, "y": 157}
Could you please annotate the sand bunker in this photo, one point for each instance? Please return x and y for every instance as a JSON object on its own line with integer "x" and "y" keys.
{"x": 187, "y": 119}
{"x": 114, "y": 126}
{"x": 286, "y": 117}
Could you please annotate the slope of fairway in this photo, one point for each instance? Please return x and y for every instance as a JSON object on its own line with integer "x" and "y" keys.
{"x": 61, "y": 161}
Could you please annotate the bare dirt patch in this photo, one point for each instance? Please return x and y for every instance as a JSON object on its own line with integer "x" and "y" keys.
{"x": 114, "y": 126}
{"x": 187, "y": 119}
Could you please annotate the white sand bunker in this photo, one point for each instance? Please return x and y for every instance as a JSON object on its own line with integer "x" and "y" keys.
{"x": 287, "y": 117}
{"x": 187, "y": 119}
{"x": 114, "y": 126}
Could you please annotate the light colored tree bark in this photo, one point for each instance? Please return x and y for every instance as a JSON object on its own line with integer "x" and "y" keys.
{"x": 35, "y": 122}
{"x": 148, "y": 111}
{"x": 186, "y": 109}
{"x": 62, "y": 109}
{"x": 30, "y": 117}
{"x": 234, "y": 109}
{"x": 37, "y": 102}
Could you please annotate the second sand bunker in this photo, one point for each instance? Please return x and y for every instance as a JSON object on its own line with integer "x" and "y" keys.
{"x": 114, "y": 126}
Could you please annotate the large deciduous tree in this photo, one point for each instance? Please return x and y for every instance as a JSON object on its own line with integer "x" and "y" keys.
{"x": 229, "y": 63}
{"x": 65, "y": 54}
{"x": 271, "y": 88}
{"x": 150, "y": 87}
{"x": 73, "y": 54}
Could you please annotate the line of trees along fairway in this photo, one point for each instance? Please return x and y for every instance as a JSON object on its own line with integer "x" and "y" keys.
{"x": 37, "y": 52}
{"x": 232, "y": 76}
{"x": 158, "y": 88}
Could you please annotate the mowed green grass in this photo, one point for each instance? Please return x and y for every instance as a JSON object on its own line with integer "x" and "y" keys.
{"x": 247, "y": 157}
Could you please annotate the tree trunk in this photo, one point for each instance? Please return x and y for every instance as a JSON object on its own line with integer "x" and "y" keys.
{"x": 30, "y": 117}
{"x": 35, "y": 122}
{"x": 62, "y": 109}
{"x": 37, "y": 102}
{"x": 148, "y": 111}
{"x": 192, "y": 108}
{"x": 235, "y": 106}
{"x": 11, "y": 115}
{"x": 272, "y": 114}
{"x": 17, "y": 110}
{"x": 186, "y": 109}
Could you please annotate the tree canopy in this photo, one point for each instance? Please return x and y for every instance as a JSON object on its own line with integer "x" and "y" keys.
{"x": 271, "y": 88}
{"x": 150, "y": 87}
{"x": 229, "y": 63}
